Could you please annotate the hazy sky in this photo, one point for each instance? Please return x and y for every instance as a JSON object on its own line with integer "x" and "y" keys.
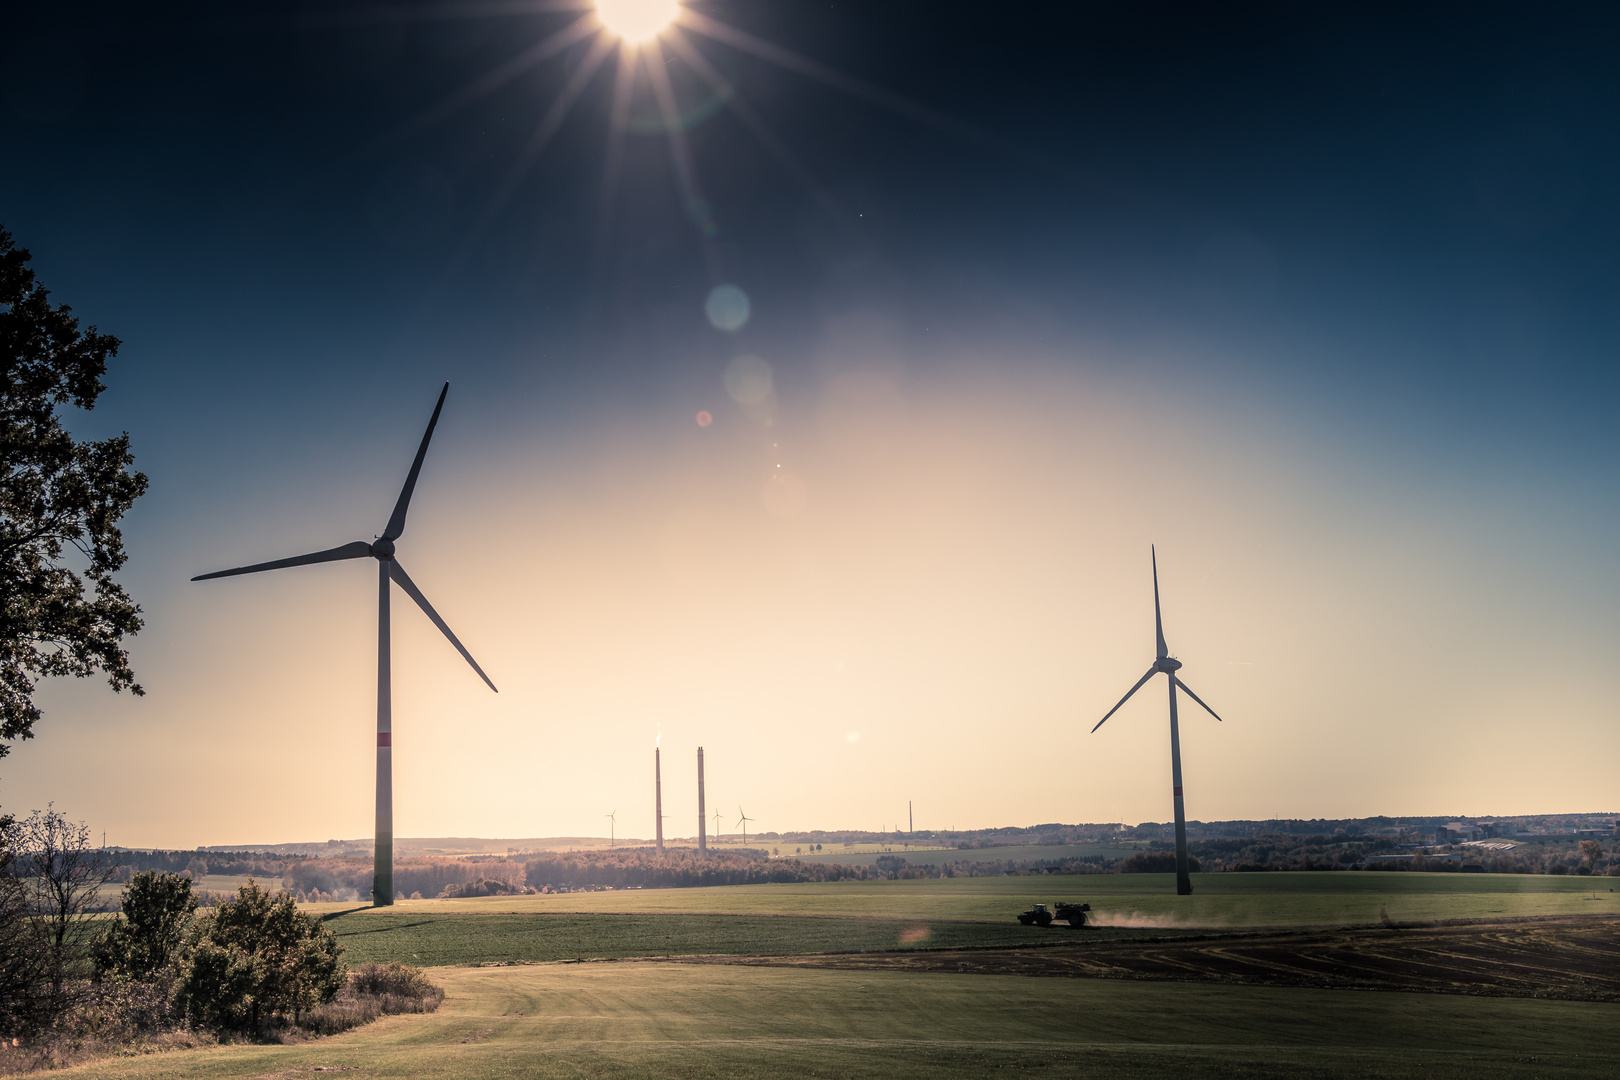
{"x": 1320, "y": 299}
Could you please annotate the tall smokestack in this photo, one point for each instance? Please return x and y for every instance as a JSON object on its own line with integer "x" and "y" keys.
{"x": 703, "y": 828}
{"x": 658, "y": 797}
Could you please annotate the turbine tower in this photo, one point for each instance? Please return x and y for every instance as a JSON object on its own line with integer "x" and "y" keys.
{"x": 658, "y": 796}
{"x": 613, "y": 821}
{"x": 717, "y": 826}
{"x": 703, "y": 836}
{"x": 743, "y": 821}
{"x": 1169, "y": 665}
{"x": 388, "y": 568}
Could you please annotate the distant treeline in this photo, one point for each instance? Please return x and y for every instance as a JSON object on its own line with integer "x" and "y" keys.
{"x": 235, "y": 863}
{"x": 350, "y": 879}
{"x": 1281, "y": 851}
{"x": 676, "y": 868}
{"x": 314, "y": 879}
{"x": 1286, "y": 851}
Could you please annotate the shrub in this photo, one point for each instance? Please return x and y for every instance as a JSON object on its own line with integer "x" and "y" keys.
{"x": 255, "y": 957}
{"x": 374, "y": 990}
{"x": 393, "y": 978}
{"x": 158, "y": 911}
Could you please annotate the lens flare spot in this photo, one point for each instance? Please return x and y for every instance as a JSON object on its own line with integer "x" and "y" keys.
{"x": 727, "y": 308}
{"x": 853, "y": 736}
{"x": 637, "y": 21}
{"x": 748, "y": 380}
{"x": 703, "y": 418}
{"x": 914, "y": 935}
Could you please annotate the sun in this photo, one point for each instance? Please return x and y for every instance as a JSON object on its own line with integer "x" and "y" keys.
{"x": 637, "y": 21}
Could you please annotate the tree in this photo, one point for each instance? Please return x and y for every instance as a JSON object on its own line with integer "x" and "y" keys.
{"x": 255, "y": 956}
{"x": 1591, "y": 851}
{"x": 158, "y": 913}
{"x": 63, "y": 873}
{"x": 24, "y": 958}
{"x": 56, "y": 493}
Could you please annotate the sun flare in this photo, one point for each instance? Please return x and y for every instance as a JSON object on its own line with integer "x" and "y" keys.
{"x": 637, "y": 21}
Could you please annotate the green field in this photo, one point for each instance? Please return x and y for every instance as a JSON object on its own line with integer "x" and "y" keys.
{"x": 430, "y": 940}
{"x": 1218, "y": 901}
{"x": 660, "y": 1019}
{"x": 779, "y": 920}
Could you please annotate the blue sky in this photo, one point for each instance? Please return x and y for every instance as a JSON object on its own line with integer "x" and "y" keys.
{"x": 1321, "y": 301}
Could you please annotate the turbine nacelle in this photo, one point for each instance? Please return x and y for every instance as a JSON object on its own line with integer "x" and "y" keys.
{"x": 382, "y": 548}
{"x": 1167, "y": 664}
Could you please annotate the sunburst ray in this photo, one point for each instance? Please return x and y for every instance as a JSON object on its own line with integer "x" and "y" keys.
{"x": 849, "y": 84}
{"x": 618, "y": 120}
{"x": 681, "y": 156}
{"x": 548, "y": 127}
{"x": 486, "y": 9}
{"x": 559, "y": 41}
{"x": 757, "y": 127}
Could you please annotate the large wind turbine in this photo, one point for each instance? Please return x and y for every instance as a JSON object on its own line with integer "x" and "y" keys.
{"x": 1169, "y": 665}
{"x": 381, "y": 549}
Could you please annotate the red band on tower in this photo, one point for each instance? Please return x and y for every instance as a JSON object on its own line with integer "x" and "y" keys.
{"x": 385, "y": 738}
{"x": 1176, "y": 792}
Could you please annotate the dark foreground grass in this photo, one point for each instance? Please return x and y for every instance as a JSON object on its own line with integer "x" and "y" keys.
{"x": 603, "y": 1021}
{"x": 432, "y": 940}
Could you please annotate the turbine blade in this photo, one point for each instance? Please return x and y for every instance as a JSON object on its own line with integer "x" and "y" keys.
{"x": 1150, "y": 673}
{"x": 357, "y": 550}
{"x": 396, "y": 524}
{"x": 403, "y": 580}
{"x": 1196, "y": 698}
{"x": 1158, "y": 622}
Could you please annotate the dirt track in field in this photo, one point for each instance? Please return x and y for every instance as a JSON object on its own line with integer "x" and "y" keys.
{"x": 1570, "y": 958}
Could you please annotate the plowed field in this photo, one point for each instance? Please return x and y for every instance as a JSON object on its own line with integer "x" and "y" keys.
{"x": 1569, "y": 958}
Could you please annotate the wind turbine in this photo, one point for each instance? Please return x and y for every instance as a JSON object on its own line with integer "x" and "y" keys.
{"x": 743, "y": 821}
{"x": 1169, "y": 665}
{"x": 717, "y": 826}
{"x": 612, "y": 821}
{"x": 388, "y": 568}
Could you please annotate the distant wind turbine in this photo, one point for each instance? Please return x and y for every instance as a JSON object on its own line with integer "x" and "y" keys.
{"x": 1169, "y": 665}
{"x": 743, "y": 821}
{"x": 612, "y": 821}
{"x": 717, "y": 826}
{"x": 388, "y": 568}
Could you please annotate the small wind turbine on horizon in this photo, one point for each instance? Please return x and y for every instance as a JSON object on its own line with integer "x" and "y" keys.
{"x": 717, "y": 826}
{"x": 1169, "y": 665}
{"x": 743, "y": 821}
{"x": 612, "y": 821}
{"x": 388, "y": 569}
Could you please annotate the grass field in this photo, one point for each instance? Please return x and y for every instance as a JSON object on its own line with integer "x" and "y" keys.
{"x": 430, "y": 940}
{"x": 656, "y": 1019}
{"x": 1218, "y": 900}
{"x": 779, "y": 920}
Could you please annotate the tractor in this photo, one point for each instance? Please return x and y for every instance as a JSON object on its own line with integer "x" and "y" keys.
{"x": 1041, "y": 915}
{"x": 1075, "y": 913}
{"x": 1036, "y": 916}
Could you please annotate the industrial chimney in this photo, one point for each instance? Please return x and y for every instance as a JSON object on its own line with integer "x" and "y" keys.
{"x": 703, "y": 832}
{"x": 658, "y": 797}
